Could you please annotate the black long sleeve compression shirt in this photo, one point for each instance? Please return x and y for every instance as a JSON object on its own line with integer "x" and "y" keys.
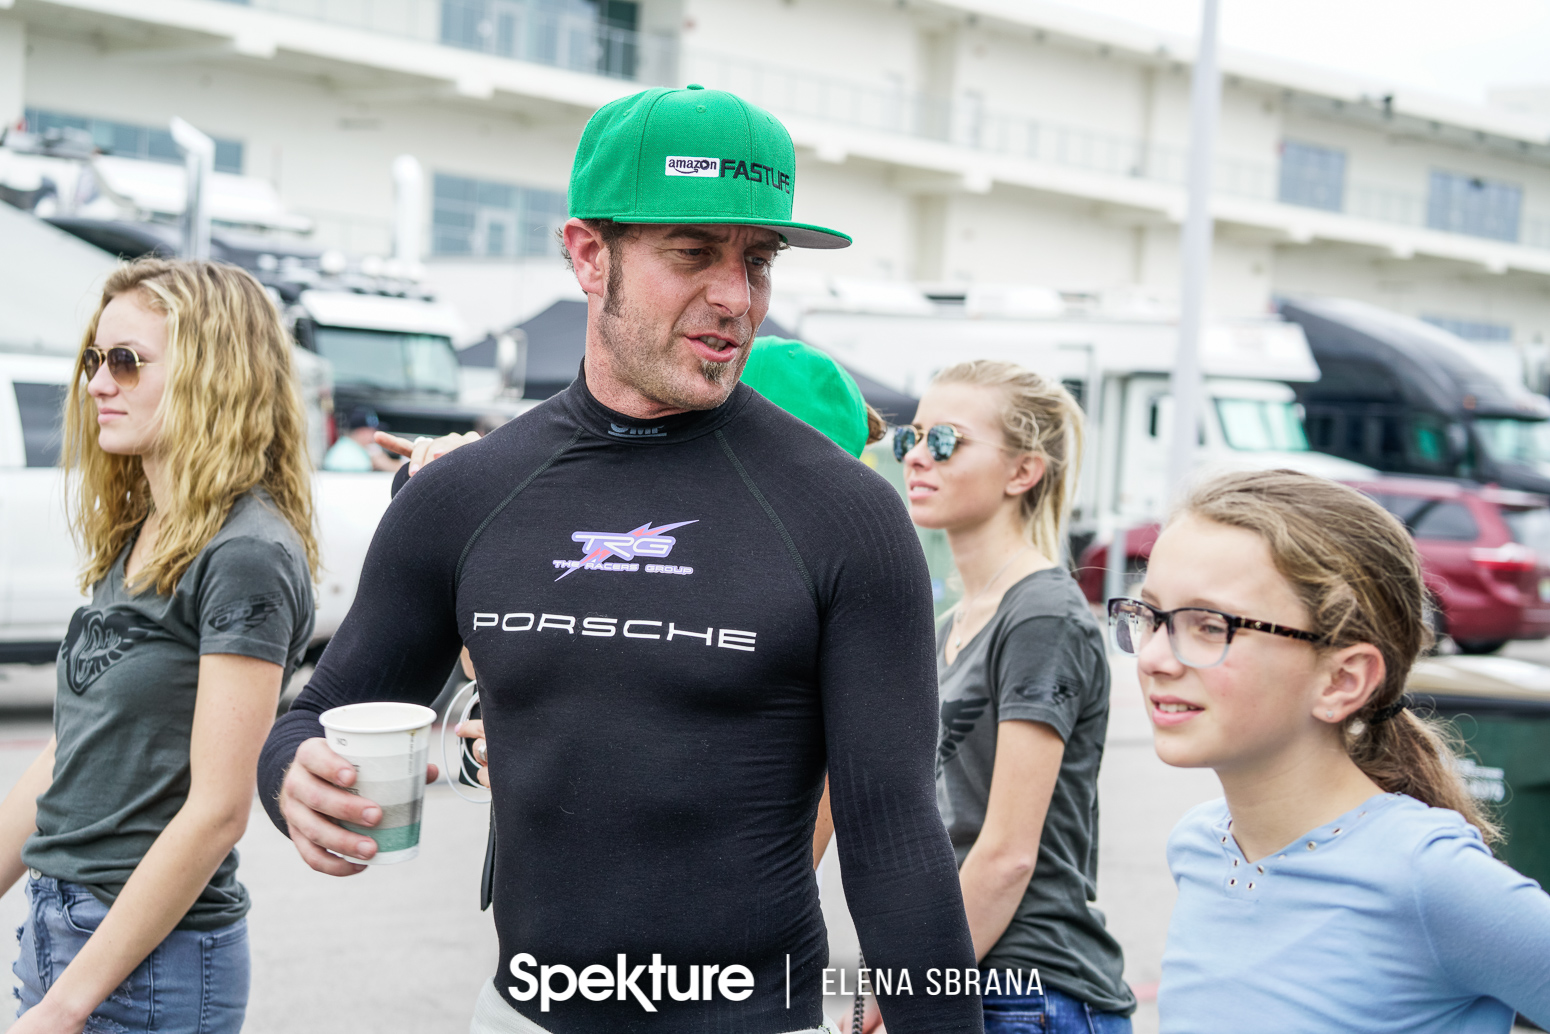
{"x": 677, "y": 625}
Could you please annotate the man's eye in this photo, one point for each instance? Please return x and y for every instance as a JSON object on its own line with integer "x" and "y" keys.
{"x": 691, "y": 252}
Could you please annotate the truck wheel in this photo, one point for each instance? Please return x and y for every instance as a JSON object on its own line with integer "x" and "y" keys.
{"x": 1479, "y": 646}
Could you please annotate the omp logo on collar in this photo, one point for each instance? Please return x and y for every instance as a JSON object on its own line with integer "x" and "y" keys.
{"x": 598, "y": 546}
{"x": 678, "y": 165}
{"x": 621, "y": 431}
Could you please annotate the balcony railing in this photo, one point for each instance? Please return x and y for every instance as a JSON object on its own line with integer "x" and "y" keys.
{"x": 564, "y": 37}
{"x": 968, "y": 122}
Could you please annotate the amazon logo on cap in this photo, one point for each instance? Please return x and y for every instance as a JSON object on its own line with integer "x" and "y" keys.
{"x": 678, "y": 165}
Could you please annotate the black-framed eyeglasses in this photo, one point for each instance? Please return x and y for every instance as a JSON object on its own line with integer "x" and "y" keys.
{"x": 1198, "y": 636}
{"x": 941, "y": 440}
{"x": 123, "y": 364}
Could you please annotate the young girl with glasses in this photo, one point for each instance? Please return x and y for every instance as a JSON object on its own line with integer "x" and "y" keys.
{"x": 993, "y": 460}
{"x": 1343, "y": 883}
{"x": 185, "y": 443}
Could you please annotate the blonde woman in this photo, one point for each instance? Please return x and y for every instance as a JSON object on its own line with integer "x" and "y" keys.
{"x": 1343, "y": 882}
{"x": 192, "y": 504}
{"x": 992, "y": 458}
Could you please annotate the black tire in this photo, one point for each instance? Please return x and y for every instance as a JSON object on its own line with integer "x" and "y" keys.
{"x": 1480, "y": 646}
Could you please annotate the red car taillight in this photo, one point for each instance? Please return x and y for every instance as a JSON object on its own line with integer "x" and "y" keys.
{"x": 1512, "y": 558}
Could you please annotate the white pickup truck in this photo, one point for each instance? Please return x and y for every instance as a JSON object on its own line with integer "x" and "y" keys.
{"x": 38, "y": 562}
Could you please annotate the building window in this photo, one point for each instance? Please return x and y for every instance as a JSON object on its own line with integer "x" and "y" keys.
{"x": 1312, "y": 176}
{"x": 597, "y": 36}
{"x": 127, "y": 140}
{"x": 494, "y": 220}
{"x": 1474, "y": 205}
{"x": 1472, "y": 330}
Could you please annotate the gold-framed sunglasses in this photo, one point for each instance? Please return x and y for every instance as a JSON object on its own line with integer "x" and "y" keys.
{"x": 123, "y": 364}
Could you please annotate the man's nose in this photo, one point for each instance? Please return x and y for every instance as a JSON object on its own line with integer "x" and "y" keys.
{"x": 728, "y": 290}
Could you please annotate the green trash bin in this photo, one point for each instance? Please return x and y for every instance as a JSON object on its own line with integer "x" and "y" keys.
{"x": 1501, "y": 709}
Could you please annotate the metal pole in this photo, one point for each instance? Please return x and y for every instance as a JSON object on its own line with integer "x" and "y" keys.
{"x": 1187, "y": 389}
{"x": 199, "y": 165}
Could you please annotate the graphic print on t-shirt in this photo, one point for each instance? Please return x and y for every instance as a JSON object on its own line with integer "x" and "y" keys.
{"x": 94, "y": 642}
{"x": 246, "y": 614}
{"x": 958, "y": 718}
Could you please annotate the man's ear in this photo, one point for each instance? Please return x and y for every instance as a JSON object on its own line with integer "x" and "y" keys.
{"x": 588, "y": 256}
{"x": 1028, "y": 472}
{"x": 1353, "y": 676}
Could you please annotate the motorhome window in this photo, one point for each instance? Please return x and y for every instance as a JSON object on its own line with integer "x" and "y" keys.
{"x": 42, "y": 411}
{"x": 494, "y": 220}
{"x": 1530, "y": 527}
{"x": 1312, "y": 176}
{"x": 390, "y": 361}
{"x": 1449, "y": 522}
{"x": 1259, "y": 424}
{"x": 1474, "y": 205}
{"x": 126, "y": 140}
{"x": 1515, "y": 441}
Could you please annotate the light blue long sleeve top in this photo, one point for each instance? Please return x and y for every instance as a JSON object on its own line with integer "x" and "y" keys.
{"x": 1394, "y": 917}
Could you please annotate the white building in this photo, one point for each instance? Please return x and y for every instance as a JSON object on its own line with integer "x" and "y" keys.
{"x": 959, "y": 141}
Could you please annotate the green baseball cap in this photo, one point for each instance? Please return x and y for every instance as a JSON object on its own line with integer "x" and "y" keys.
{"x": 690, "y": 156}
{"x": 811, "y": 387}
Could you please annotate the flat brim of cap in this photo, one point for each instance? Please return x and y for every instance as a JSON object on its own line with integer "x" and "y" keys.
{"x": 798, "y": 235}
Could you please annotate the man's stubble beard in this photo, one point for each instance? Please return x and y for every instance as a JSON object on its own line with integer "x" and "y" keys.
{"x": 649, "y": 366}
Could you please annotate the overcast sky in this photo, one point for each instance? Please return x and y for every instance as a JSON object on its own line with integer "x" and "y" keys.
{"x": 1456, "y": 48}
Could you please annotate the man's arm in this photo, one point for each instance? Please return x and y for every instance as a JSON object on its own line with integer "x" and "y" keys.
{"x": 398, "y": 642}
{"x": 878, "y": 672}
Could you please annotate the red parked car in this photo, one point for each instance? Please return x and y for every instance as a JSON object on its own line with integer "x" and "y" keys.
{"x": 1486, "y": 554}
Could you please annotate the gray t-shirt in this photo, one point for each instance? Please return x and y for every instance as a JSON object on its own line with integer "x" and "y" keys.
{"x": 1040, "y": 659}
{"x": 128, "y": 675}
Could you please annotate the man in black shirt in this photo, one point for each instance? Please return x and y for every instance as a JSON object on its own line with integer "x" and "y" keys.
{"x": 684, "y": 604}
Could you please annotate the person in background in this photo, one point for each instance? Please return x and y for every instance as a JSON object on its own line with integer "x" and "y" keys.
{"x": 1343, "y": 883}
{"x": 357, "y": 450}
{"x": 186, "y": 443}
{"x": 992, "y": 459}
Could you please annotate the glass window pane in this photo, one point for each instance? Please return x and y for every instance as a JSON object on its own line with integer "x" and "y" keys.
{"x": 1262, "y": 424}
{"x": 396, "y": 362}
{"x": 1474, "y": 205}
{"x": 1312, "y": 176}
{"x": 228, "y": 156}
{"x": 1530, "y": 527}
{"x": 42, "y": 412}
{"x": 1451, "y": 522}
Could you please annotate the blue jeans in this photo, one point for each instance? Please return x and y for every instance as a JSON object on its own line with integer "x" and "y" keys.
{"x": 1049, "y": 1013}
{"x": 194, "y": 982}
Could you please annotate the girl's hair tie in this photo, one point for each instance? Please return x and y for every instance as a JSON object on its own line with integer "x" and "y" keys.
{"x": 1385, "y": 713}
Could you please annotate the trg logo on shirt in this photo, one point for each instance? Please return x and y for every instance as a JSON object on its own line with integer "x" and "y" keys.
{"x": 598, "y": 547}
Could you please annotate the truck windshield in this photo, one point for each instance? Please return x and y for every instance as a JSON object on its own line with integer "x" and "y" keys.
{"x": 1509, "y": 440}
{"x": 1261, "y": 424}
{"x": 392, "y": 361}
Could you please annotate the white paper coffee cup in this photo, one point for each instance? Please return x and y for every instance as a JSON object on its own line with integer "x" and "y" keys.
{"x": 389, "y": 744}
